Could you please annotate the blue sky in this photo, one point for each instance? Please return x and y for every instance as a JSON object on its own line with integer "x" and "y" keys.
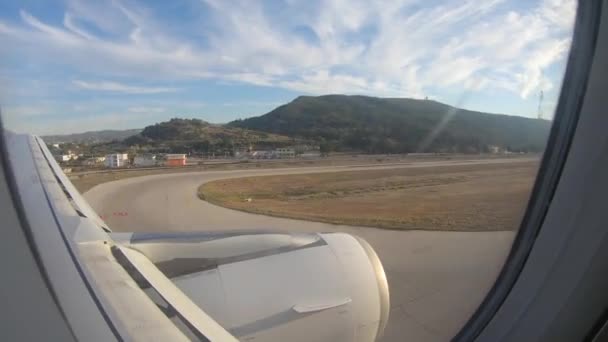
{"x": 75, "y": 65}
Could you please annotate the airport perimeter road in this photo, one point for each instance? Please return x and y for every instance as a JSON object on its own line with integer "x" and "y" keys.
{"x": 436, "y": 279}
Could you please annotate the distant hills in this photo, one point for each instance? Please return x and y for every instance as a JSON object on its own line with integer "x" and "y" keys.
{"x": 183, "y": 135}
{"x": 398, "y": 125}
{"x": 91, "y": 137}
{"x": 335, "y": 123}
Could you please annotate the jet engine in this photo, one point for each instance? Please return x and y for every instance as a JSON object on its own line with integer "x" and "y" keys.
{"x": 266, "y": 286}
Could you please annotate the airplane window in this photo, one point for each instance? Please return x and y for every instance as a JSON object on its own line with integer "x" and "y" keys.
{"x": 354, "y": 170}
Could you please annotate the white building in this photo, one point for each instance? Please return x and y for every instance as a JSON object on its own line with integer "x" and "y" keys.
{"x": 494, "y": 149}
{"x": 144, "y": 160}
{"x": 93, "y": 161}
{"x": 63, "y": 157}
{"x": 240, "y": 153}
{"x": 116, "y": 160}
{"x": 285, "y": 152}
{"x": 66, "y": 157}
{"x": 72, "y": 155}
{"x": 311, "y": 154}
{"x": 89, "y": 162}
{"x": 262, "y": 154}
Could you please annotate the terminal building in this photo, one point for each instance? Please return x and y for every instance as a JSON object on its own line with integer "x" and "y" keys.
{"x": 175, "y": 160}
{"x": 144, "y": 160}
{"x": 117, "y": 160}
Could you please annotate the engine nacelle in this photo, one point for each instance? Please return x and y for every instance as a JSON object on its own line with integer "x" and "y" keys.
{"x": 276, "y": 287}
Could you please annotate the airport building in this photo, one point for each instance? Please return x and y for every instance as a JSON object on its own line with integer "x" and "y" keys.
{"x": 63, "y": 157}
{"x": 285, "y": 153}
{"x": 144, "y": 160}
{"x": 175, "y": 160}
{"x": 66, "y": 157}
{"x": 311, "y": 154}
{"x": 117, "y": 160}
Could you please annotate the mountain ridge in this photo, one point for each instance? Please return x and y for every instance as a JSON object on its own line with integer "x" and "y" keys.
{"x": 345, "y": 123}
{"x": 398, "y": 125}
{"x": 195, "y": 134}
{"x": 105, "y": 135}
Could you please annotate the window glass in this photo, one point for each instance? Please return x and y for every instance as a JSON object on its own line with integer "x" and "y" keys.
{"x": 416, "y": 126}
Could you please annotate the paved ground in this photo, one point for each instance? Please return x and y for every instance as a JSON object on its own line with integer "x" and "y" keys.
{"x": 436, "y": 279}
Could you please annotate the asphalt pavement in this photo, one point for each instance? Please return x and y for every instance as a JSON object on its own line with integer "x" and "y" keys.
{"x": 436, "y": 279}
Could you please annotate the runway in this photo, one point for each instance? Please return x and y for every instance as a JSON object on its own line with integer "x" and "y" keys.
{"x": 436, "y": 279}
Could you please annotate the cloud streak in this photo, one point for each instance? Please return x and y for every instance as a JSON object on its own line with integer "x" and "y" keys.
{"x": 121, "y": 88}
{"x": 395, "y": 49}
{"x": 146, "y": 109}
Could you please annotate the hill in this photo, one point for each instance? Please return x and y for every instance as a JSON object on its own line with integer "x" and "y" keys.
{"x": 397, "y": 125}
{"x": 187, "y": 135}
{"x": 91, "y": 137}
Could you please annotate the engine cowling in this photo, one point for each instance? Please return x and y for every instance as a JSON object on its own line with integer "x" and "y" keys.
{"x": 274, "y": 286}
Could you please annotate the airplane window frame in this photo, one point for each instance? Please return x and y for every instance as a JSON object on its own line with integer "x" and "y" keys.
{"x": 562, "y": 131}
{"x": 574, "y": 86}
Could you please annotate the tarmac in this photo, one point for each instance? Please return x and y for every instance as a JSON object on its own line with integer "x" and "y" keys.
{"x": 437, "y": 279}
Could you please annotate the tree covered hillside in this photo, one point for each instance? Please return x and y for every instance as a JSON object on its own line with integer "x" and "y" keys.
{"x": 188, "y": 135}
{"x": 397, "y": 125}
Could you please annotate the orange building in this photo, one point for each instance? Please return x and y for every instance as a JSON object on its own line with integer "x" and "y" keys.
{"x": 175, "y": 160}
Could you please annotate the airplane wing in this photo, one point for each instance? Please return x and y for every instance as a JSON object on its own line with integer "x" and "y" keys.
{"x": 209, "y": 286}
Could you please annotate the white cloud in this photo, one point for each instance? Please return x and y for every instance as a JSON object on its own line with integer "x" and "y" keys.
{"x": 532, "y": 77}
{"x": 322, "y": 81}
{"x": 88, "y": 123}
{"x": 559, "y": 12}
{"x": 253, "y": 104}
{"x": 24, "y": 111}
{"x": 146, "y": 109}
{"x": 68, "y": 22}
{"x": 397, "y": 48}
{"x": 121, "y": 88}
{"x": 45, "y": 122}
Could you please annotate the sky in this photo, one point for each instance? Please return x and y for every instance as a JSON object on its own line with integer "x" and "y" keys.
{"x": 72, "y": 66}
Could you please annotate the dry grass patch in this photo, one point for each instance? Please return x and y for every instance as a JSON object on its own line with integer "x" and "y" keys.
{"x": 463, "y": 198}
{"x": 84, "y": 181}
